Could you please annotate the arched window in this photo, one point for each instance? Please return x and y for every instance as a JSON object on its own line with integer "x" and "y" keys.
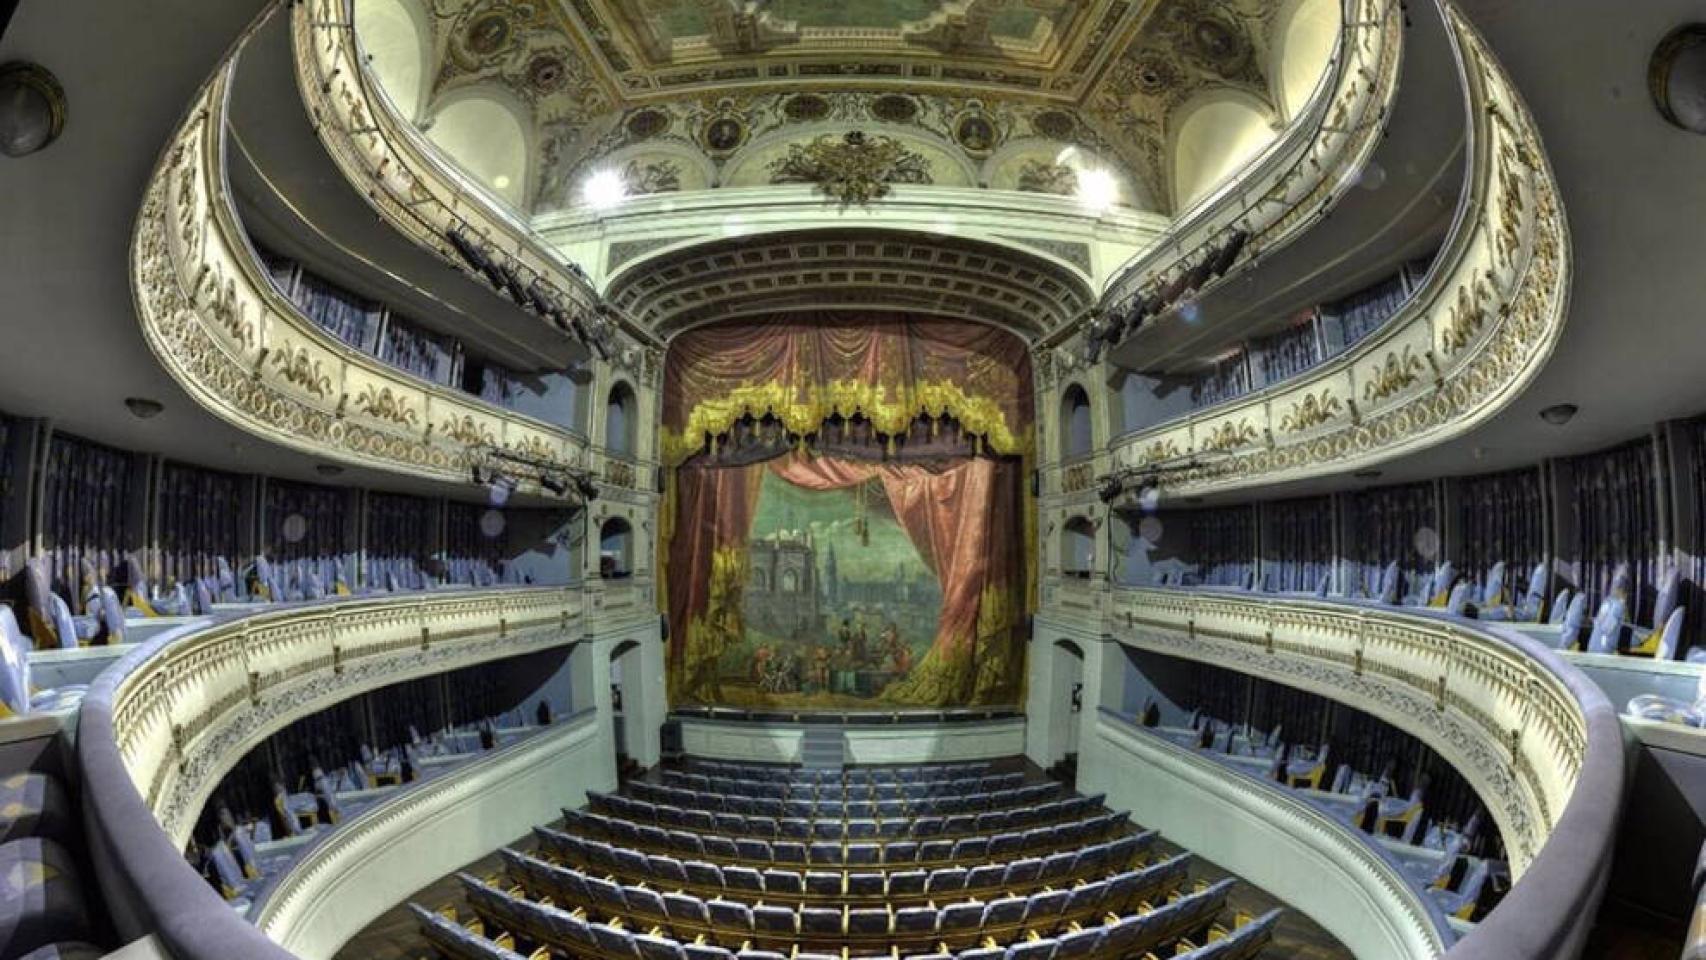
{"x": 615, "y": 549}
{"x": 1077, "y": 435}
{"x": 619, "y": 420}
{"x": 790, "y": 581}
{"x": 487, "y": 138}
{"x": 1078, "y": 548}
{"x": 1217, "y": 136}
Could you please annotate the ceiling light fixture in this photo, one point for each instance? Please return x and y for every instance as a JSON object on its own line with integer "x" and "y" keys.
{"x": 604, "y": 190}
{"x": 1098, "y": 190}
{"x": 143, "y": 408}
{"x": 1559, "y": 414}
{"x": 32, "y": 109}
{"x": 501, "y": 182}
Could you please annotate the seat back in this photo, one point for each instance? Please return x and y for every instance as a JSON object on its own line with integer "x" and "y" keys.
{"x": 1670, "y": 636}
{"x": 14, "y": 666}
{"x": 1571, "y": 629}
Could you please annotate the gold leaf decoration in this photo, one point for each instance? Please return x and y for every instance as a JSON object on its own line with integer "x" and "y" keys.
{"x": 1229, "y": 435}
{"x": 296, "y": 365}
{"x": 384, "y": 404}
{"x": 1312, "y": 411}
{"x": 852, "y": 169}
{"x": 1467, "y": 316}
{"x": 1399, "y": 370}
{"x": 467, "y": 431}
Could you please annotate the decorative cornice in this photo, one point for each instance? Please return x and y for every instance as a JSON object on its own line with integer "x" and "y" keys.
{"x": 1485, "y": 322}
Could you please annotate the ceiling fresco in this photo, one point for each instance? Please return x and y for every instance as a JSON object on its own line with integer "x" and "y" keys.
{"x": 675, "y": 94}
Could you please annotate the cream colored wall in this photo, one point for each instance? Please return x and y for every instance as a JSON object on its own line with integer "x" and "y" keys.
{"x": 1216, "y": 137}
{"x": 488, "y": 139}
{"x": 398, "y": 43}
{"x": 1304, "y": 35}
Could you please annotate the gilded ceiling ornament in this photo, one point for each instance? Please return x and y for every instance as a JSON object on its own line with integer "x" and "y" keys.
{"x": 1055, "y": 124}
{"x": 648, "y": 123}
{"x": 723, "y": 134}
{"x": 975, "y": 133}
{"x": 851, "y": 169}
{"x": 805, "y": 107}
{"x": 894, "y": 108}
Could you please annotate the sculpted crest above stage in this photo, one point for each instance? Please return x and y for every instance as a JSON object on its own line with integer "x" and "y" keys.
{"x": 846, "y": 522}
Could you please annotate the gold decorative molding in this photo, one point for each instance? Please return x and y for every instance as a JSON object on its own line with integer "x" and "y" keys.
{"x": 854, "y": 169}
{"x": 1484, "y": 323}
{"x": 1312, "y": 411}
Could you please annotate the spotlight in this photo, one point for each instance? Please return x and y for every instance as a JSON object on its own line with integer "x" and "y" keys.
{"x": 1367, "y": 474}
{"x": 1109, "y": 489}
{"x": 477, "y": 474}
{"x": 604, "y": 190}
{"x": 143, "y": 408}
{"x": 553, "y": 483}
{"x": 328, "y": 469}
{"x": 1559, "y": 414}
{"x": 1098, "y": 190}
{"x": 32, "y": 109}
{"x": 586, "y": 488}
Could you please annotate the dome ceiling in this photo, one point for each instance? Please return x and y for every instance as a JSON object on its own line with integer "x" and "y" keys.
{"x": 671, "y": 92}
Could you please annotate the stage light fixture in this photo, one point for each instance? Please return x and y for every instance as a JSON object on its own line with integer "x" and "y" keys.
{"x": 554, "y": 483}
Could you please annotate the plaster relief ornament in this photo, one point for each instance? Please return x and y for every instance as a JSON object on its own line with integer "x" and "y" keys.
{"x": 852, "y": 169}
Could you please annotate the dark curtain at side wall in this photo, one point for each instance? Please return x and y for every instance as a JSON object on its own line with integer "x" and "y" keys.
{"x": 1501, "y": 518}
{"x": 474, "y": 531}
{"x": 305, "y": 521}
{"x": 1393, "y": 523}
{"x": 1613, "y": 500}
{"x": 200, "y": 519}
{"x": 1223, "y": 545}
{"x": 87, "y": 492}
{"x": 400, "y": 528}
{"x": 1297, "y": 543}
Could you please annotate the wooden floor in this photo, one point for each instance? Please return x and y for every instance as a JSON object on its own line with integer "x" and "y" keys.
{"x": 393, "y": 936}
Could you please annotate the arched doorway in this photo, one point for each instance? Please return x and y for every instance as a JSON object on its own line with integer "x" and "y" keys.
{"x": 626, "y": 695}
{"x": 1066, "y": 682}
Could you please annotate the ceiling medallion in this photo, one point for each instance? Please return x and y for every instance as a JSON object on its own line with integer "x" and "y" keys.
{"x": 894, "y": 108}
{"x": 1054, "y": 124}
{"x": 546, "y": 73}
{"x": 487, "y": 34}
{"x": 723, "y": 134}
{"x": 975, "y": 133}
{"x": 1219, "y": 43}
{"x": 851, "y": 169}
{"x": 805, "y": 107}
{"x": 648, "y": 123}
{"x": 1155, "y": 75}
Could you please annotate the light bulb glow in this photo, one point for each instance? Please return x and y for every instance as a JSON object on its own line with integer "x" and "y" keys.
{"x": 1097, "y": 189}
{"x": 604, "y": 190}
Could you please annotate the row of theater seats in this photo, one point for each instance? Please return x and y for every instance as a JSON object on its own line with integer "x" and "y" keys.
{"x": 863, "y": 789}
{"x": 257, "y": 846}
{"x": 1610, "y": 631}
{"x": 980, "y": 804}
{"x": 703, "y": 770}
{"x": 1439, "y": 861}
{"x": 614, "y": 888}
{"x": 966, "y": 848}
{"x": 44, "y": 913}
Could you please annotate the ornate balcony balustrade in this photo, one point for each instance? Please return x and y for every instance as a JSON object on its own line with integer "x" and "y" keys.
{"x": 1483, "y": 324}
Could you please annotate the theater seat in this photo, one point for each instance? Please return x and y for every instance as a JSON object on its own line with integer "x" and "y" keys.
{"x": 35, "y": 805}
{"x": 70, "y": 950}
{"x": 41, "y": 899}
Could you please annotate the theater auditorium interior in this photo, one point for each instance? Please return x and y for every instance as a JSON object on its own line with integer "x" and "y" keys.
{"x": 857, "y": 480}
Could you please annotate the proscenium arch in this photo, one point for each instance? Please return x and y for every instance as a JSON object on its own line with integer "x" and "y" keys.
{"x": 397, "y": 36}
{"x": 488, "y": 132}
{"x": 1212, "y": 137}
{"x": 1015, "y": 288}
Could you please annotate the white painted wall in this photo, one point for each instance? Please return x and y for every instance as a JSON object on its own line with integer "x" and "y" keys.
{"x": 885, "y": 743}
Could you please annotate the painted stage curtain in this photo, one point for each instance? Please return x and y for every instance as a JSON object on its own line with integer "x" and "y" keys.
{"x": 960, "y": 515}
{"x": 804, "y": 369}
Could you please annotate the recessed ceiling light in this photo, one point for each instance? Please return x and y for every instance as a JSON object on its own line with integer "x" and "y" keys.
{"x": 143, "y": 408}
{"x": 1559, "y": 414}
{"x": 604, "y": 190}
{"x": 501, "y": 182}
{"x": 328, "y": 469}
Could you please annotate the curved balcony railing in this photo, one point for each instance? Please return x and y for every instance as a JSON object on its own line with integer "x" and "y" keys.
{"x": 1297, "y": 178}
{"x": 376, "y": 859}
{"x": 244, "y": 351}
{"x": 403, "y": 177}
{"x": 1484, "y": 322}
{"x": 1538, "y": 741}
{"x": 160, "y": 728}
{"x": 1315, "y": 856}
